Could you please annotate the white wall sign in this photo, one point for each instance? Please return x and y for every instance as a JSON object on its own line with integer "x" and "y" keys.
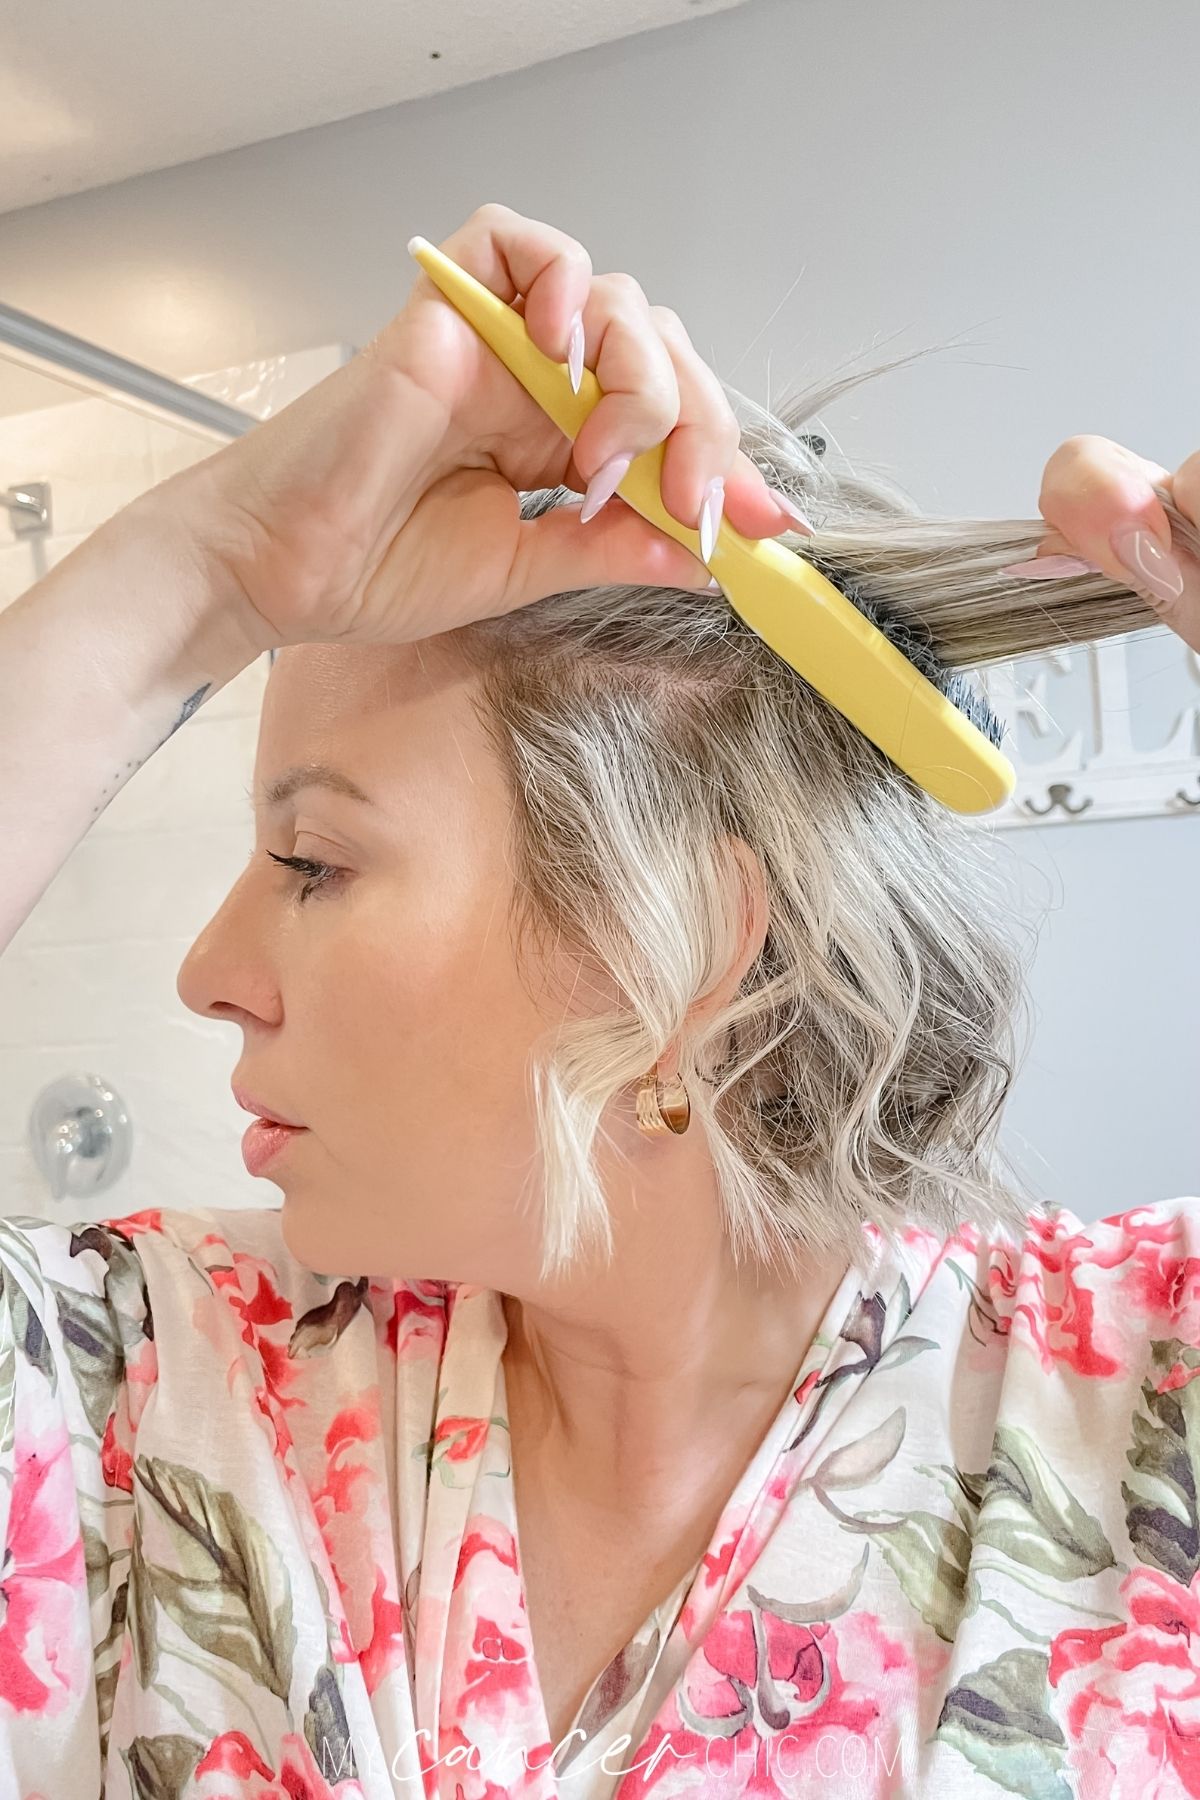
{"x": 1108, "y": 730}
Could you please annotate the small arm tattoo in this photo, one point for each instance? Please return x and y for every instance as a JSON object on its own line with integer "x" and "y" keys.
{"x": 190, "y": 705}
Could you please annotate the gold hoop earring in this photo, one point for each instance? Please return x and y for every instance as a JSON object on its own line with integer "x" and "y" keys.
{"x": 662, "y": 1108}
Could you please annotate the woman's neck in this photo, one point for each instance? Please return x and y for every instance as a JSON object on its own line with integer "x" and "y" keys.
{"x": 622, "y": 1365}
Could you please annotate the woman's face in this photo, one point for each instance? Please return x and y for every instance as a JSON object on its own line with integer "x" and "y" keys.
{"x": 385, "y": 1012}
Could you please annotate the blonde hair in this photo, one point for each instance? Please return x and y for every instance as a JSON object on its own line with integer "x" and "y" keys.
{"x": 861, "y": 1070}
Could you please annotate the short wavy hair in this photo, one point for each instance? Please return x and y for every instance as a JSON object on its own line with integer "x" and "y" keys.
{"x": 861, "y": 1070}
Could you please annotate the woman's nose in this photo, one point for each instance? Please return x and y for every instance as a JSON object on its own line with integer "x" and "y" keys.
{"x": 228, "y": 972}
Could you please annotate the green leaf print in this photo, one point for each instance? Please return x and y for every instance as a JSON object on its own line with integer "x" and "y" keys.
{"x": 1161, "y": 1512}
{"x": 97, "y": 1561}
{"x": 19, "y": 1249}
{"x": 142, "y": 1614}
{"x": 327, "y": 1728}
{"x": 902, "y": 1350}
{"x": 106, "y": 1694}
{"x": 928, "y": 1556}
{"x": 321, "y": 1326}
{"x": 997, "y": 1718}
{"x": 855, "y": 1464}
{"x": 107, "y": 1665}
{"x": 1031, "y": 1516}
{"x": 161, "y": 1767}
{"x": 94, "y": 1351}
{"x": 28, "y": 1336}
{"x": 228, "y": 1587}
{"x": 963, "y": 1490}
{"x": 816, "y": 1612}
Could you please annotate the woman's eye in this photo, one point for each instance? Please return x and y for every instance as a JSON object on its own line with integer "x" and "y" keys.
{"x": 319, "y": 874}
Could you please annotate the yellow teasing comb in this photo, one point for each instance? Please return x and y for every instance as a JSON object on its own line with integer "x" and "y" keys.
{"x": 802, "y": 616}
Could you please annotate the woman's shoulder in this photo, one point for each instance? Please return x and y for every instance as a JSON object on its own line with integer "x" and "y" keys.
{"x": 161, "y": 1259}
{"x": 1090, "y": 1298}
{"x": 1054, "y": 1237}
{"x": 1170, "y": 1220}
{"x": 87, "y": 1254}
{"x": 147, "y": 1288}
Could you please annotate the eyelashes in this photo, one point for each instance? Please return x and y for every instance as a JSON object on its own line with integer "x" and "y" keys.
{"x": 319, "y": 874}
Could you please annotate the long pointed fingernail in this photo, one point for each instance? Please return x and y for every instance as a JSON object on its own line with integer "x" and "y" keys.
{"x": 1046, "y": 568}
{"x": 575, "y": 352}
{"x": 711, "y": 508}
{"x": 792, "y": 510}
{"x": 604, "y": 484}
{"x": 1151, "y": 566}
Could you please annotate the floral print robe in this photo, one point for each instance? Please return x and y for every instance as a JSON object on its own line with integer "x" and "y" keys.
{"x": 259, "y": 1540}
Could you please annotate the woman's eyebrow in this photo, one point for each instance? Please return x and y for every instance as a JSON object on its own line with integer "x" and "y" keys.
{"x": 277, "y": 792}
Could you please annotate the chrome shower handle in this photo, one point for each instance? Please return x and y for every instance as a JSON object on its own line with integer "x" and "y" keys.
{"x": 80, "y": 1135}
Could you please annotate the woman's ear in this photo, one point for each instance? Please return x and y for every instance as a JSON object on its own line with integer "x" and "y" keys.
{"x": 754, "y": 915}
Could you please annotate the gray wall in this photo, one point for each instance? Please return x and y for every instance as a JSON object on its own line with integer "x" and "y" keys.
{"x": 801, "y": 182}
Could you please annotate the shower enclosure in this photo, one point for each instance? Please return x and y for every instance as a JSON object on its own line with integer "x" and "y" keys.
{"x": 112, "y": 1096}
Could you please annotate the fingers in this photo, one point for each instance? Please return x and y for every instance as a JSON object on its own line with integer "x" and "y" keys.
{"x": 640, "y": 402}
{"x": 1184, "y": 487}
{"x": 705, "y": 443}
{"x": 655, "y": 385}
{"x": 1100, "y": 499}
{"x": 555, "y": 553}
{"x": 514, "y": 255}
{"x": 1097, "y": 494}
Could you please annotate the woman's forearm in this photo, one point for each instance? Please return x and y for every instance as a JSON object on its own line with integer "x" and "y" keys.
{"x": 100, "y": 663}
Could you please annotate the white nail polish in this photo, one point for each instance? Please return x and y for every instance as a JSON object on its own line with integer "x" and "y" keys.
{"x": 792, "y": 510}
{"x": 1151, "y": 567}
{"x": 604, "y": 484}
{"x": 575, "y": 352}
{"x": 711, "y": 508}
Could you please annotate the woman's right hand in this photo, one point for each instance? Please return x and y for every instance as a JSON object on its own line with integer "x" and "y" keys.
{"x": 382, "y": 505}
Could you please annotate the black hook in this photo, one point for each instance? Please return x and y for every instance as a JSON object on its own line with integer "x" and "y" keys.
{"x": 1058, "y": 794}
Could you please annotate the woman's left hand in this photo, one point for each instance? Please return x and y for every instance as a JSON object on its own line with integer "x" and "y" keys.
{"x": 1100, "y": 499}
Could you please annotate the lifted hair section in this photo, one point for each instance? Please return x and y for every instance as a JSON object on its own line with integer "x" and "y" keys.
{"x": 860, "y": 1073}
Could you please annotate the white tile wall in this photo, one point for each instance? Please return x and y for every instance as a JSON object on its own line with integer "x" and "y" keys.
{"x": 88, "y": 983}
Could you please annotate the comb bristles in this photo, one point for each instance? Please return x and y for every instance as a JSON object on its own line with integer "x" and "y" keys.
{"x": 918, "y": 648}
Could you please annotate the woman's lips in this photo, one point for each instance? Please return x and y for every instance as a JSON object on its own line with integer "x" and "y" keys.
{"x": 249, "y": 1104}
{"x": 263, "y": 1142}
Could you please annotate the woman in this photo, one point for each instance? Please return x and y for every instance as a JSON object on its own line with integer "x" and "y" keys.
{"x": 647, "y": 1354}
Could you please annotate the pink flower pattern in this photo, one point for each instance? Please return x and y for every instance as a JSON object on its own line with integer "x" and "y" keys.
{"x": 259, "y": 1540}
{"x": 1129, "y": 1693}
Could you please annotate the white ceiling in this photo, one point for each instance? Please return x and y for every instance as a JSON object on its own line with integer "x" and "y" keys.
{"x": 94, "y": 91}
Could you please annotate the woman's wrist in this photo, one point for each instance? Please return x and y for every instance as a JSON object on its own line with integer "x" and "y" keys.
{"x": 171, "y": 540}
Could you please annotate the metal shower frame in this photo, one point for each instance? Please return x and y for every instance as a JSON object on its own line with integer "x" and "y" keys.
{"x": 49, "y": 351}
